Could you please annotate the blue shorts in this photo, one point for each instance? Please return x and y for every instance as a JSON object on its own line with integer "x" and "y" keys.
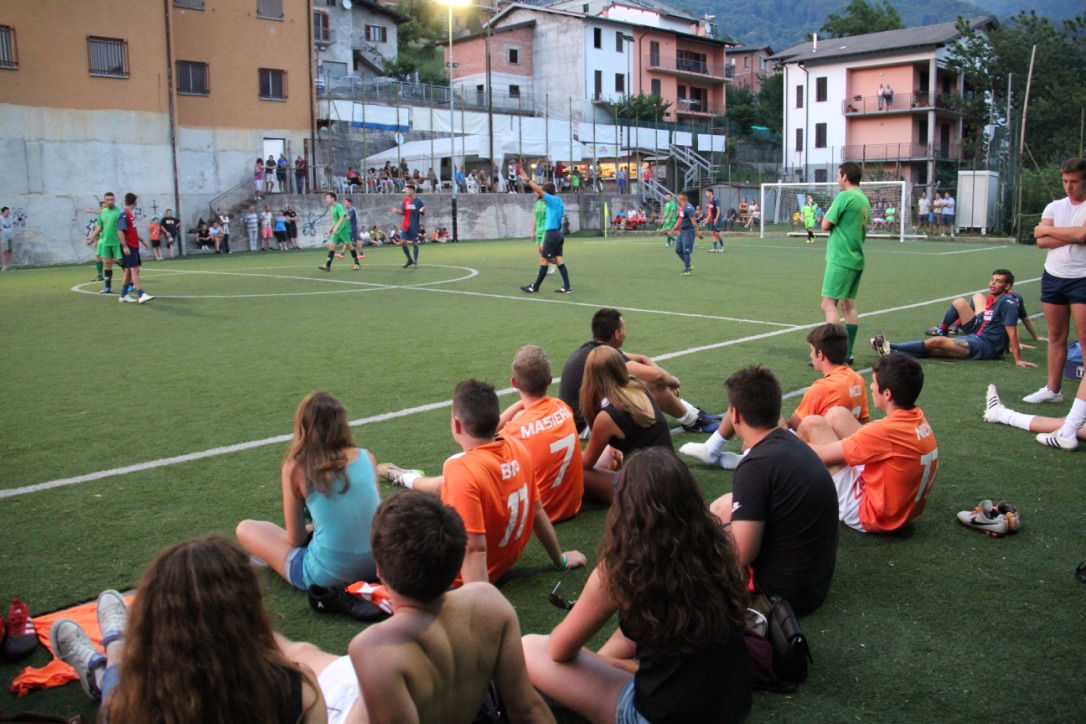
{"x": 132, "y": 259}
{"x": 969, "y": 327}
{"x": 626, "y": 713}
{"x": 980, "y": 349}
{"x": 1061, "y": 291}
{"x": 295, "y": 566}
{"x": 684, "y": 244}
{"x": 410, "y": 235}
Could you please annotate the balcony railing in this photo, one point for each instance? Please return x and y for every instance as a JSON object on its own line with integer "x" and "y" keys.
{"x": 322, "y": 35}
{"x": 688, "y": 107}
{"x": 686, "y": 66}
{"x": 902, "y": 152}
{"x": 919, "y": 100}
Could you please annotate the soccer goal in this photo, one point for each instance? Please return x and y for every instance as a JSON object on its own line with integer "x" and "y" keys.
{"x": 781, "y": 208}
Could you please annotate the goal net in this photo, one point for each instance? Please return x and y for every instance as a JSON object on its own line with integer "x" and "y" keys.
{"x": 781, "y": 208}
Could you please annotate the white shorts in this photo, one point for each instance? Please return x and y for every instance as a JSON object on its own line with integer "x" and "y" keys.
{"x": 849, "y": 482}
{"x": 339, "y": 685}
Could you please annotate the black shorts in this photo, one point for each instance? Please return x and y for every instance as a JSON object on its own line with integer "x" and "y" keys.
{"x": 553, "y": 242}
{"x": 1062, "y": 291}
{"x": 156, "y": 243}
{"x": 131, "y": 259}
{"x": 281, "y": 236}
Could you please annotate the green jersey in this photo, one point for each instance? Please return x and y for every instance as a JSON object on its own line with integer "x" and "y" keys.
{"x": 343, "y": 233}
{"x": 849, "y": 214}
{"x": 671, "y": 213}
{"x": 540, "y": 220}
{"x": 809, "y": 215}
{"x": 107, "y": 219}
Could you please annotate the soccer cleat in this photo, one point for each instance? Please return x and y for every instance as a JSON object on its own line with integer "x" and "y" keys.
{"x": 357, "y": 267}
{"x": 107, "y": 290}
{"x": 954, "y": 330}
{"x": 145, "y": 297}
{"x": 324, "y": 267}
{"x": 880, "y": 345}
{"x": 338, "y": 600}
{"x": 699, "y": 451}
{"x": 99, "y": 278}
{"x": 935, "y": 332}
{"x": 1044, "y": 395}
{"x": 563, "y": 290}
{"x": 529, "y": 289}
{"x": 394, "y": 473}
{"x": 125, "y": 298}
{"x": 112, "y": 617}
{"x": 994, "y": 520}
{"x": 730, "y": 460}
{"x": 685, "y": 273}
{"x": 993, "y": 405}
{"x": 1055, "y": 439}
{"x": 702, "y": 424}
{"x": 19, "y": 636}
{"x": 71, "y": 645}
{"x": 408, "y": 265}
{"x": 339, "y": 256}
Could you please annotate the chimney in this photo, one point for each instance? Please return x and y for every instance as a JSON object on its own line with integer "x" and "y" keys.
{"x": 814, "y": 48}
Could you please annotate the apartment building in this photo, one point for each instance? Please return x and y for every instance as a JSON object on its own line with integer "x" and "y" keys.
{"x": 356, "y": 37}
{"x": 748, "y": 65}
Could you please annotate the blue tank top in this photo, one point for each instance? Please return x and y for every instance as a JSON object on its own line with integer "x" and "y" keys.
{"x": 340, "y": 550}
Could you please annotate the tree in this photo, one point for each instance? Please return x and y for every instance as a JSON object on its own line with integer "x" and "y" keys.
{"x": 860, "y": 18}
{"x": 641, "y": 107}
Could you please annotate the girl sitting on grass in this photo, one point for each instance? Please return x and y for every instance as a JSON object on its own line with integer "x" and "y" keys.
{"x": 325, "y": 474}
{"x": 670, "y": 571}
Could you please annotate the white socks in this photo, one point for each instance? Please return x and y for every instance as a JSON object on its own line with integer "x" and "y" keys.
{"x": 715, "y": 444}
{"x": 1074, "y": 421}
{"x": 691, "y": 413}
{"x": 1015, "y": 419}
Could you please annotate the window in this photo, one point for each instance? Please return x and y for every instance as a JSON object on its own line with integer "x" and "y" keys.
{"x": 620, "y": 83}
{"x": 190, "y": 4}
{"x": 376, "y": 34}
{"x": 108, "y": 57}
{"x": 322, "y": 31}
{"x": 746, "y": 61}
{"x": 820, "y": 135}
{"x": 821, "y": 89}
{"x": 7, "y": 47}
{"x": 597, "y": 38}
{"x": 269, "y": 9}
{"x": 799, "y": 96}
{"x": 514, "y": 56}
{"x": 654, "y": 53}
{"x": 691, "y": 62}
{"x": 514, "y": 91}
{"x": 618, "y": 41}
{"x": 656, "y": 89}
{"x": 799, "y": 139}
{"x": 599, "y": 85}
{"x": 273, "y": 84}
{"x": 820, "y": 175}
{"x": 192, "y": 78}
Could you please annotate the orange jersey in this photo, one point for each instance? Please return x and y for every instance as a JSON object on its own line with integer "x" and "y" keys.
{"x": 493, "y": 489}
{"x": 900, "y": 459}
{"x": 840, "y": 387}
{"x": 548, "y": 431}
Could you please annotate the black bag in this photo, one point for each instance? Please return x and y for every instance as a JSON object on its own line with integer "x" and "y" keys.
{"x": 778, "y": 625}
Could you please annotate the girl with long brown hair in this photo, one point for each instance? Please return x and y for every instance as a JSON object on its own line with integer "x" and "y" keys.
{"x": 622, "y": 415}
{"x": 670, "y": 571}
{"x": 325, "y": 474}
{"x": 196, "y": 646}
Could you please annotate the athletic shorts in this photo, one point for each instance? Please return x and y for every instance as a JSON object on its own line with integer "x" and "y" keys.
{"x": 339, "y": 686}
{"x": 849, "y": 482}
{"x": 626, "y": 713}
{"x": 684, "y": 243}
{"x": 1062, "y": 291}
{"x": 969, "y": 327}
{"x": 266, "y": 232}
{"x": 841, "y": 282}
{"x": 110, "y": 250}
{"x": 411, "y": 235}
{"x": 132, "y": 259}
{"x": 980, "y": 349}
{"x": 338, "y": 241}
{"x": 156, "y": 243}
{"x": 553, "y": 243}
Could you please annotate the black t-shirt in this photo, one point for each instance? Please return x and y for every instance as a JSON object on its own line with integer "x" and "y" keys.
{"x": 569, "y": 389}
{"x": 711, "y": 685}
{"x": 170, "y": 226}
{"x": 636, "y": 438}
{"x": 782, "y": 482}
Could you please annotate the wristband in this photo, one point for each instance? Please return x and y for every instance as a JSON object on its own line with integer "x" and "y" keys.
{"x": 563, "y": 565}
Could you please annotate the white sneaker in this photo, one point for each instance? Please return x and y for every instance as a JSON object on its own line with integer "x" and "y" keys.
{"x": 1044, "y": 395}
{"x": 125, "y": 298}
{"x": 991, "y": 411}
{"x": 730, "y": 460}
{"x": 1054, "y": 439}
{"x": 700, "y": 451}
{"x": 145, "y": 297}
{"x": 396, "y": 475}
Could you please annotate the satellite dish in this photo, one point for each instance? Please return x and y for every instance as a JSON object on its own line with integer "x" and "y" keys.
{"x": 346, "y": 4}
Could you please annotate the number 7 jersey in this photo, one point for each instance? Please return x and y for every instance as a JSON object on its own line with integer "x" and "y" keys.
{"x": 493, "y": 489}
{"x": 548, "y": 431}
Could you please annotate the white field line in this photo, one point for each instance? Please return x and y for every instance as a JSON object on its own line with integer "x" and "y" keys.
{"x": 280, "y": 439}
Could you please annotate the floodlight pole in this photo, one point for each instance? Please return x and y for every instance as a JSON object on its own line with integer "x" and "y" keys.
{"x": 452, "y": 126}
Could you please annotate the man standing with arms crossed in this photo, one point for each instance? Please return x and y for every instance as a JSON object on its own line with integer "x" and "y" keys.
{"x": 1062, "y": 232}
{"x": 846, "y": 221}
{"x": 671, "y": 212}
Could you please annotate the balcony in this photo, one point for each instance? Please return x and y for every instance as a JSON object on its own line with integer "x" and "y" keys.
{"x": 686, "y": 68}
{"x": 900, "y": 103}
{"x": 876, "y": 152}
{"x": 322, "y": 36}
{"x": 698, "y": 109}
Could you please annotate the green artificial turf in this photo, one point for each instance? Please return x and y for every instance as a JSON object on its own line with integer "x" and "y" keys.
{"x": 937, "y": 623}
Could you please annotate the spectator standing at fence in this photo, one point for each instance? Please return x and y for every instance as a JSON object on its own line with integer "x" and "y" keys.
{"x": 948, "y": 214}
{"x": 258, "y": 177}
{"x": 888, "y": 95}
{"x": 300, "y": 168}
{"x": 282, "y": 168}
{"x": 880, "y": 96}
{"x": 269, "y": 174}
{"x": 252, "y": 226}
{"x": 171, "y": 228}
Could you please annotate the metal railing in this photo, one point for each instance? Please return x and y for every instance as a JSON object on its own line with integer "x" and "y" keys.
{"x": 240, "y": 194}
{"x": 687, "y": 106}
{"x": 918, "y": 100}
{"x": 901, "y": 152}
{"x": 685, "y": 65}
{"x": 422, "y": 94}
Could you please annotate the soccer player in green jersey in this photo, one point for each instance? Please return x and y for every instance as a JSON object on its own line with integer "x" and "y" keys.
{"x": 109, "y": 243}
{"x": 809, "y": 218}
{"x": 671, "y": 213}
{"x": 340, "y": 235}
{"x": 846, "y": 221}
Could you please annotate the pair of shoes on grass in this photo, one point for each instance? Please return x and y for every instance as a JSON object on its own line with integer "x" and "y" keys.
{"x": 992, "y": 519}
{"x": 73, "y": 646}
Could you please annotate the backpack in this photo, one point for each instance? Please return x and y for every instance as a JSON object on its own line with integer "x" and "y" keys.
{"x": 777, "y": 645}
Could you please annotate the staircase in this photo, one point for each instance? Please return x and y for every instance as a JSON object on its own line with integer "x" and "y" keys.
{"x": 699, "y": 172}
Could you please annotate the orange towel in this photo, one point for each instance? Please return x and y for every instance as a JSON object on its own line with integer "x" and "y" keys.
{"x": 56, "y": 672}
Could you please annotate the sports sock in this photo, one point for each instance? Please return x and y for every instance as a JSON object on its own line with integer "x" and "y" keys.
{"x": 139, "y": 292}
{"x": 108, "y": 274}
{"x": 331, "y": 256}
{"x": 406, "y": 252}
{"x": 540, "y": 277}
{"x": 98, "y": 266}
{"x": 1007, "y": 416}
{"x": 415, "y": 249}
{"x": 913, "y": 349}
{"x": 691, "y": 414}
{"x": 1075, "y": 419}
{"x": 715, "y": 444}
{"x": 949, "y": 318}
{"x": 354, "y": 255}
{"x": 851, "y": 329}
{"x": 565, "y": 275}
{"x": 408, "y": 479}
{"x": 810, "y": 235}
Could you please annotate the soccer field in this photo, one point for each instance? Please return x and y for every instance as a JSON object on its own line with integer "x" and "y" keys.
{"x": 128, "y": 427}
